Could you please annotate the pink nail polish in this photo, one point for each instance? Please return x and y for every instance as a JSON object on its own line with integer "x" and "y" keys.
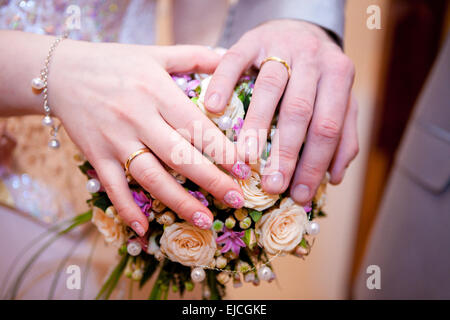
{"x": 201, "y": 220}
{"x": 138, "y": 228}
{"x": 241, "y": 170}
{"x": 234, "y": 199}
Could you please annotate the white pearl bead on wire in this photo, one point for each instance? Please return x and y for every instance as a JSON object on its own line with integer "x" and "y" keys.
{"x": 134, "y": 248}
{"x": 313, "y": 228}
{"x": 225, "y": 123}
{"x": 264, "y": 273}
{"x": 93, "y": 185}
{"x": 198, "y": 274}
{"x": 37, "y": 83}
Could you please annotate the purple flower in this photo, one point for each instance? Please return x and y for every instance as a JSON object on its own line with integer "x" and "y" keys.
{"x": 231, "y": 241}
{"x": 238, "y": 126}
{"x": 143, "y": 202}
{"x": 308, "y": 207}
{"x": 190, "y": 88}
{"x": 199, "y": 196}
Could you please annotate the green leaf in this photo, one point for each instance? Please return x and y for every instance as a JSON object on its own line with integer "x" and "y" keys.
{"x": 101, "y": 201}
{"x": 255, "y": 215}
{"x": 248, "y": 238}
{"x": 194, "y": 99}
{"x": 213, "y": 285}
{"x": 85, "y": 167}
{"x": 304, "y": 243}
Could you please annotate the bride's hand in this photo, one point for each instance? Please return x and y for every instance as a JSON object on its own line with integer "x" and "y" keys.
{"x": 114, "y": 99}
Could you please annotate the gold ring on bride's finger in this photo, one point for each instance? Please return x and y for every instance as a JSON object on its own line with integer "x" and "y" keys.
{"x": 283, "y": 62}
{"x": 132, "y": 156}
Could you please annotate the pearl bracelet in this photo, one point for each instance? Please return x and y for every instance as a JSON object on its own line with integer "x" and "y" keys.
{"x": 40, "y": 85}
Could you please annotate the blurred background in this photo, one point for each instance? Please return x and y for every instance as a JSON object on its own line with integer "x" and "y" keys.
{"x": 392, "y": 64}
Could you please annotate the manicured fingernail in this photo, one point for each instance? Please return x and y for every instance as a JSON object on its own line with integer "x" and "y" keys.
{"x": 234, "y": 199}
{"x": 241, "y": 171}
{"x": 201, "y": 220}
{"x": 138, "y": 228}
{"x": 301, "y": 193}
{"x": 275, "y": 180}
{"x": 213, "y": 102}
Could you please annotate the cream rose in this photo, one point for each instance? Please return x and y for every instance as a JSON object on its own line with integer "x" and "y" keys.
{"x": 254, "y": 195}
{"x": 234, "y": 109}
{"x": 112, "y": 229}
{"x": 282, "y": 229}
{"x": 188, "y": 245}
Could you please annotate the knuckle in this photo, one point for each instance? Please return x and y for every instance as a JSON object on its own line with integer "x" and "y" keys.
{"x": 341, "y": 65}
{"x": 272, "y": 82}
{"x": 327, "y": 130}
{"x": 311, "y": 170}
{"x": 151, "y": 177}
{"x": 254, "y": 120}
{"x": 111, "y": 189}
{"x": 213, "y": 183}
{"x": 299, "y": 109}
{"x": 234, "y": 56}
{"x": 287, "y": 154}
{"x": 182, "y": 207}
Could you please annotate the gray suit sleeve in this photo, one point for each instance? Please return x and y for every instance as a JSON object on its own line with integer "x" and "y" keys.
{"x": 247, "y": 14}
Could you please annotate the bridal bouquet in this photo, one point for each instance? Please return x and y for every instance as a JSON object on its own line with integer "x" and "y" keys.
{"x": 241, "y": 243}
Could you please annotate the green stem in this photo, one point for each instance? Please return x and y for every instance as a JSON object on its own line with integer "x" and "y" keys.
{"x": 113, "y": 279}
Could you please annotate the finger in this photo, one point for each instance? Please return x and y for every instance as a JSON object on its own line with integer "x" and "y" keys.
{"x": 294, "y": 117}
{"x": 269, "y": 88}
{"x": 233, "y": 63}
{"x": 325, "y": 129}
{"x": 348, "y": 146}
{"x": 150, "y": 174}
{"x": 195, "y": 127}
{"x": 113, "y": 179}
{"x": 181, "y": 156}
{"x": 187, "y": 58}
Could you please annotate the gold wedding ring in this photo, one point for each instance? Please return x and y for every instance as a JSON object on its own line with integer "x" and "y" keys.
{"x": 273, "y": 58}
{"x": 132, "y": 156}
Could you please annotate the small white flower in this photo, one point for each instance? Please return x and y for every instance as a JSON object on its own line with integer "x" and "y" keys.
{"x": 233, "y": 111}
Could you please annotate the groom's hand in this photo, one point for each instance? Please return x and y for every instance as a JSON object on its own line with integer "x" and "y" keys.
{"x": 316, "y": 104}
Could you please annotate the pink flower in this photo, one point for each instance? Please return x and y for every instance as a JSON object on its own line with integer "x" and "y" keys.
{"x": 199, "y": 196}
{"x": 190, "y": 88}
{"x": 231, "y": 241}
{"x": 308, "y": 207}
{"x": 143, "y": 202}
{"x": 238, "y": 126}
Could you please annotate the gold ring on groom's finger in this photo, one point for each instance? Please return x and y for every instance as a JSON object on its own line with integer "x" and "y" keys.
{"x": 132, "y": 156}
{"x": 283, "y": 62}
